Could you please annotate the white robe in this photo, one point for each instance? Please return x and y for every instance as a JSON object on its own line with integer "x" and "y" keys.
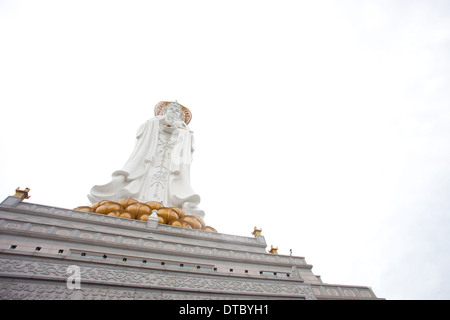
{"x": 157, "y": 170}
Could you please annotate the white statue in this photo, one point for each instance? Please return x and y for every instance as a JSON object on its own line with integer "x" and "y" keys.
{"x": 159, "y": 167}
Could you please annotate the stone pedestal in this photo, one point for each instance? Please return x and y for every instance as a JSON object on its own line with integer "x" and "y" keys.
{"x": 56, "y": 253}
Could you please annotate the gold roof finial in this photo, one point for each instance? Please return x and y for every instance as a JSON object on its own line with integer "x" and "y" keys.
{"x": 273, "y": 250}
{"x": 22, "y": 194}
{"x": 257, "y": 232}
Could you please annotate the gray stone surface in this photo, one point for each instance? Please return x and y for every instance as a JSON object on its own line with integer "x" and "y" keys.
{"x": 129, "y": 259}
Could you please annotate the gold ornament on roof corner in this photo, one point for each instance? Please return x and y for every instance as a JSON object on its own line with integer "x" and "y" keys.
{"x": 257, "y": 232}
{"x": 133, "y": 209}
{"x": 162, "y": 105}
{"x": 22, "y": 194}
{"x": 273, "y": 250}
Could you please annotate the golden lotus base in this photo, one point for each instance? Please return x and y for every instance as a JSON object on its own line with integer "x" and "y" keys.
{"x": 133, "y": 209}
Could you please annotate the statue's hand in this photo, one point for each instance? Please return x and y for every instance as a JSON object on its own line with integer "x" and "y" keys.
{"x": 169, "y": 128}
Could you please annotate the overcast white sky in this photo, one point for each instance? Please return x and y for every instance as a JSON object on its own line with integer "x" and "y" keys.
{"x": 325, "y": 123}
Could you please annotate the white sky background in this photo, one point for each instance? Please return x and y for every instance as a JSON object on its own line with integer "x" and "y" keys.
{"x": 325, "y": 123}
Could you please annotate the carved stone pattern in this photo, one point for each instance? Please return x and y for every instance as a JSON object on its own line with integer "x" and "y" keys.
{"x": 30, "y": 291}
{"x": 153, "y": 279}
{"x": 333, "y": 291}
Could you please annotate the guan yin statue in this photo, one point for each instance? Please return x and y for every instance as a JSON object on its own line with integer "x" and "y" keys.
{"x": 156, "y": 177}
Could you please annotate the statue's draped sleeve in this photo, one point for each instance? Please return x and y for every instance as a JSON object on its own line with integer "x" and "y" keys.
{"x": 124, "y": 181}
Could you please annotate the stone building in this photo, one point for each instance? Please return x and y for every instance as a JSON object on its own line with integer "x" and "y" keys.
{"x": 56, "y": 253}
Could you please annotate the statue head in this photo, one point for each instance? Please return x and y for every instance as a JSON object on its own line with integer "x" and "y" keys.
{"x": 173, "y": 111}
{"x": 162, "y": 106}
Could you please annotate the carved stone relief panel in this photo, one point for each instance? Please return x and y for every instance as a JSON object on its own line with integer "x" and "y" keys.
{"x": 156, "y": 280}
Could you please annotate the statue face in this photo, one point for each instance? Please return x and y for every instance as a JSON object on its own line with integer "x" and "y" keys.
{"x": 173, "y": 112}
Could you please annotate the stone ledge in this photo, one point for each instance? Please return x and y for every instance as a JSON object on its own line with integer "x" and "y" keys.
{"x": 123, "y": 223}
{"x": 47, "y": 231}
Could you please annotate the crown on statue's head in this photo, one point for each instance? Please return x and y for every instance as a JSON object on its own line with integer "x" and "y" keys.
{"x": 161, "y": 106}
{"x": 175, "y": 103}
